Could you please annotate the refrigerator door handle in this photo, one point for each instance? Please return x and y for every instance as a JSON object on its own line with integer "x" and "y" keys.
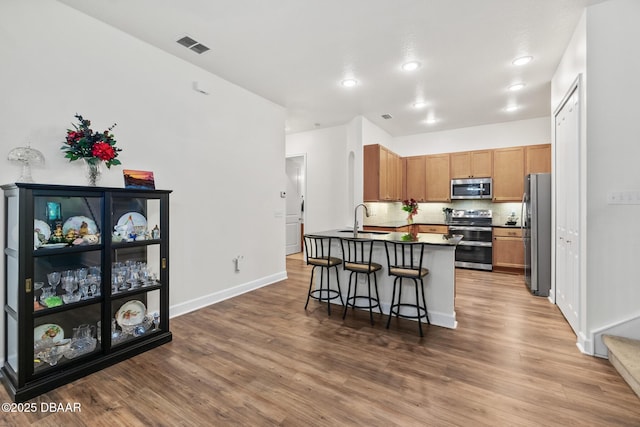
{"x": 522, "y": 216}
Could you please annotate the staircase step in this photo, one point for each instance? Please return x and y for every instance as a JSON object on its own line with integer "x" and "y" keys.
{"x": 624, "y": 355}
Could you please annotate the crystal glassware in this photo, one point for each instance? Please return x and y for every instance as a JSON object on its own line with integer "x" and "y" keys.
{"x": 54, "y": 280}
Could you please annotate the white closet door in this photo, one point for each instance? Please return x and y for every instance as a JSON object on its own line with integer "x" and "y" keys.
{"x": 567, "y": 170}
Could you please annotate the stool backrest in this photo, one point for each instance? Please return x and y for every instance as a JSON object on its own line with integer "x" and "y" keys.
{"x": 356, "y": 251}
{"x": 317, "y": 246}
{"x": 405, "y": 255}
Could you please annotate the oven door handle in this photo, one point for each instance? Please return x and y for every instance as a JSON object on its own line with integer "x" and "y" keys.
{"x": 469, "y": 228}
{"x": 480, "y": 244}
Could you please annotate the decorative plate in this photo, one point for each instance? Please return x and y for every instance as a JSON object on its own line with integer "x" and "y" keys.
{"x": 54, "y": 245}
{"x": 43, "y": 228}
{"x": 49, "y": 330}
{"x": 75, "y": 222}
{"x": 133, "y": 218}
{"x": 131, "y": 313}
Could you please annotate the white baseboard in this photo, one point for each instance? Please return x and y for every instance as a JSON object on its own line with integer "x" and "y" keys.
{"x": 206, "y": 300}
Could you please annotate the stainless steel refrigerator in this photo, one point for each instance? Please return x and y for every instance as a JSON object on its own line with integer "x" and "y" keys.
{"x": 536, "y": 233}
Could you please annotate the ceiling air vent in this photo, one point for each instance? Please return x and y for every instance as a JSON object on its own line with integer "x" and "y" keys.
{"x": 192, "y": 44}
{"x": 386, "y": 116}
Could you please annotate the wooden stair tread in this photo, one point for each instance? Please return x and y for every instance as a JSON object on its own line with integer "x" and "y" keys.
{"x": 624, "y": 355}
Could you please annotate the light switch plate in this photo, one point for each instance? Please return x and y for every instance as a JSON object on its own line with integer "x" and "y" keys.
{"x": 630, "y": 197}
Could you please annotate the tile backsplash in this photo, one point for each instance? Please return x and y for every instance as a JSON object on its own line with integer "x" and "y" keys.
{"x": 385, "y": 212}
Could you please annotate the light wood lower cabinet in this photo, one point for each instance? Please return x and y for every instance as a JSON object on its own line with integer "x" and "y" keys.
{"x": 508, "y": 250}
{"x": 437, "y": 229}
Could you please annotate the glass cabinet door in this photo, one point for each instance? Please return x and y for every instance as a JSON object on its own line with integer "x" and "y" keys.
{"x": 66, "y": 275}
{"x": 138, "y": 270}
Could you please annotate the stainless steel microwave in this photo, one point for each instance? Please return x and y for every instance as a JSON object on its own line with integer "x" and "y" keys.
{"x": 472, "y": 188}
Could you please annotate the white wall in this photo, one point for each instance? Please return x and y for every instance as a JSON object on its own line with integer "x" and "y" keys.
{"x": 498, "y": 135}
{"x": 222, "y": 155}
{"x": 327, "y": 194}
{"x": 605, "y": 51}
{"x": 613, "y": 151}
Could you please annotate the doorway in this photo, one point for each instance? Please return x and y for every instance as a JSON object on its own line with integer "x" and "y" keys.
{"x": 296, "y": 172}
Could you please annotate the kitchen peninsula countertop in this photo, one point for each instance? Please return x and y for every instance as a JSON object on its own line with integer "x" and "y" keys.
{"x": 398, "y": 224}
{"x": 396, "y": 236}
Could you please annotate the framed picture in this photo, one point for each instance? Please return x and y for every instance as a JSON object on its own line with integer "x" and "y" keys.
{"x": 138, "y": 179}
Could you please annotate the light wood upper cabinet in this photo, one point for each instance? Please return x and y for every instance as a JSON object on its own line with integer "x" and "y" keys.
{"x": 416, "y": 178}
{"x": 538, "y": 158}
{"x": 471, "y": 164}
{"x": 508, "y": 174}
{"x": 437, "y": 171}
{"x": 382, "y": 174}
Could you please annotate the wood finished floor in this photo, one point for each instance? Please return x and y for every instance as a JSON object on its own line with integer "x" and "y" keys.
{"x": 260, "y": 359}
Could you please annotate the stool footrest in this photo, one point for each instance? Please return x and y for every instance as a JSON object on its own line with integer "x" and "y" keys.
{"x": 422, "y": 312}
{"x": 330, "y": 294}
{"x": 351, "y": 302}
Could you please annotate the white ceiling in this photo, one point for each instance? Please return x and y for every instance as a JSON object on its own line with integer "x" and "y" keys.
{"x": 296, "y": 52}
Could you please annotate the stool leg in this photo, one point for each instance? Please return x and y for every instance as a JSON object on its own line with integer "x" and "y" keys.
{"x": 310, "y": 285}
{"x": 393, "y": 298}
{"x": 415, "y": 282}
{"x": 370, "y": 302}
{"x": 346, "y": 304}
{"x": 338, "y": 282}
{"x": 424, "y": 301}
{"x": 375, "y": 284}
{"x": 328, "y": 277}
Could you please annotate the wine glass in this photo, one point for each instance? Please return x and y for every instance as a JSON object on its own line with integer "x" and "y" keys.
{"x": 37, "y": 286}
{"x": 54, "y": 280}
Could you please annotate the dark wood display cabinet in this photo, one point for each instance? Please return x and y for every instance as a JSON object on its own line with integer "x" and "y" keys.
{"x": 86, "y": 281}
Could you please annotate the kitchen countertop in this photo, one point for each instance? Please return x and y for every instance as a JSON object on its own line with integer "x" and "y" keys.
{"x": 397, "y": 224}
{"x": 395, "y": 236}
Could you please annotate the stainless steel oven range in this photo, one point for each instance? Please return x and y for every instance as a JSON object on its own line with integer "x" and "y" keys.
{"x": 475, "y": 250}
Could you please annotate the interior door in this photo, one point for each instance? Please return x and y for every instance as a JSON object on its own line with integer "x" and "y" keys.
{"x": 567, "y": 280}
{"x": 295, "y": 204}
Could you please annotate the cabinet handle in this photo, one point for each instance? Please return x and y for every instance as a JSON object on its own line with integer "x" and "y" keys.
{"x": 164, "y": 263}
{"x": 27, "y": 285}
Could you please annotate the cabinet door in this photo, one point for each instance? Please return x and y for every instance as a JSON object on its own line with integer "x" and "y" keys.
{"x": 508, "y": 249}
{"x": 437, "y": 174}
{"x": 66, "y": 268}
{"x": 139, "y": 268}
{"x": 416, "y": 178}
{"x": 385, "y": 171}
{"x": 481, "y": 164}
{"x": 371, "y": 172}
{"x": 461, "y": 165}
{"x": 508, "y": 174}
{"x": 538, "y": 159}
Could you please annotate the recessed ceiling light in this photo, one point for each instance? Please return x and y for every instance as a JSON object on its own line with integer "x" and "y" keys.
{"x": 522, "y": 60}
{"x": 411, "y": 66}
{"x": 349, "y": 82}
{"x": 516, "y": 86}
{"x": 419, "y": 104}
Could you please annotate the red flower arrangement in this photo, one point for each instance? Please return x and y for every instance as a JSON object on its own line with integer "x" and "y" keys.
{"x": 410, "y": 206}
{"x": 83, "y": 143}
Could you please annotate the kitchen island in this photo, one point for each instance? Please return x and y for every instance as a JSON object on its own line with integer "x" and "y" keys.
{"x": 439, "y": 258}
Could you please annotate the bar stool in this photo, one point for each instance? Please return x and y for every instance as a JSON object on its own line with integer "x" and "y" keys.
{"x": 405, "y": 262}
{"x": 318, "y": 254}
{"x": 356, "y": 254}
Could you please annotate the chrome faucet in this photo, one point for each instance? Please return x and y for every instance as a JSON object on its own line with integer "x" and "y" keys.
{"x": 355, "y": 218}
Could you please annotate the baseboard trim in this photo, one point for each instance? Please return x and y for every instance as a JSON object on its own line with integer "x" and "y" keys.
{"x": 207, "y": 300}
